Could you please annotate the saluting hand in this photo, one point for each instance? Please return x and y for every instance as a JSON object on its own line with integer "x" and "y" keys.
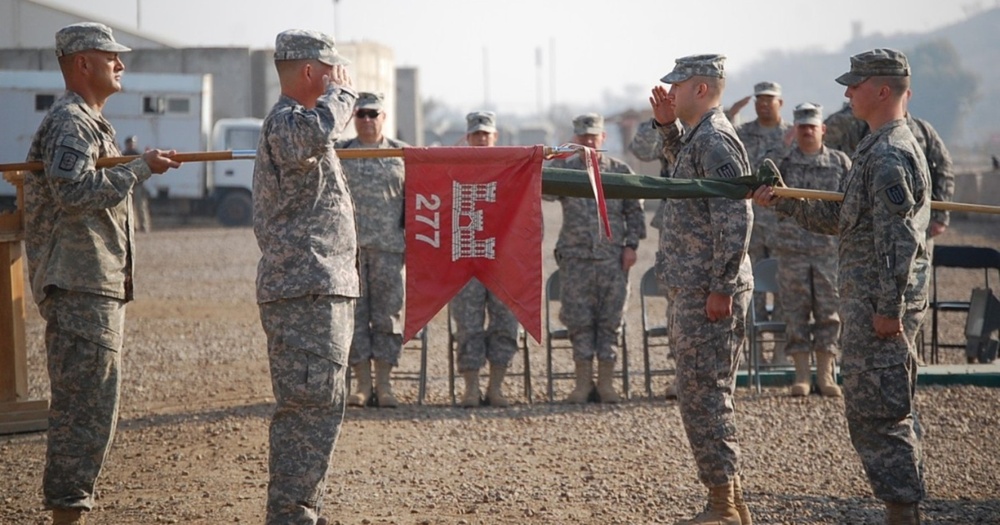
{"x": 663, "y": 107}
{"x": 340, "y": 76}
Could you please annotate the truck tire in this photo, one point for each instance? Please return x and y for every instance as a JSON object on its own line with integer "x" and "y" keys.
{"x": 235, "y": 209}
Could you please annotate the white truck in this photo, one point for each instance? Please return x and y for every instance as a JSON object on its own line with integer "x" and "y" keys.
{"x": 166, "y": 111}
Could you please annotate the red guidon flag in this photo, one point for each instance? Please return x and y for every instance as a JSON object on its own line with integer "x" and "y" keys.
{"x": 473, "y": 212}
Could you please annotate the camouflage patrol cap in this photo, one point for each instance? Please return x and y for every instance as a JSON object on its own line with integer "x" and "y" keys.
{"x": 481, "y": 121}
{"x": 875, "y": 63}
{"x": 767, "y": 88}
{"x": 84, "y": 36}
{"x": 588, "y": 124}
{"x": 305, "y": 44}
{"x": 696, "y": 65}
{"x": 369, "y": 100}
{"x": 808, "y": 113}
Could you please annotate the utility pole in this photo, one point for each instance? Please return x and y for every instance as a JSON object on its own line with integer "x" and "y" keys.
{"x": 336, "y": 21}
{"x": 538, "y": 80}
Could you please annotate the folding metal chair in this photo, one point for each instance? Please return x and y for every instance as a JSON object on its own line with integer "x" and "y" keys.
{"x": 522, "y": 343}
{"x": 653, "y": 335}
{"x": 765, "y": 279}
{"x": 399, "y": 374}
{"x": 964, "y": 257}
{"x": 556, "y": 333}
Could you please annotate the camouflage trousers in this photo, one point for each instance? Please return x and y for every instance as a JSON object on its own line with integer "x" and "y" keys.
{"x": 378, "y": 316}
{"x": 764, "y": 222}
{"x": 307, "y": 344}
{"x": 593, "y": 294}
{"x": 807, "y": 287}
{"x": 477, "y": 342}
{"x": 880, "y": 379}
{"x": 708, "y": 355}
{"x": 83, "y": 342}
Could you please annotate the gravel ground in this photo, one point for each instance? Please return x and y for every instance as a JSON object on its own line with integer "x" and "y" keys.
{"x": 192, "y": 442}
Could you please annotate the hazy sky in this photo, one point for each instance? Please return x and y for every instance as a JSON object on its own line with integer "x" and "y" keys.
{"x": 586, "y": 47}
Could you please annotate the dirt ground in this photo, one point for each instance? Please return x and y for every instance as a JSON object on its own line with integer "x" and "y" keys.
{"x": 192, "y": 441}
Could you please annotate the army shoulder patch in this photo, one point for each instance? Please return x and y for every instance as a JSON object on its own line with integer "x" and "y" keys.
{"x": 68, "y": 160}
{"x": 726, "y": 171}
{"x": 895, "y": 194}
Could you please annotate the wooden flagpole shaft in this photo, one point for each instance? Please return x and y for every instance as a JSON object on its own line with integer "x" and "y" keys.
{"x": 935, "y": 205}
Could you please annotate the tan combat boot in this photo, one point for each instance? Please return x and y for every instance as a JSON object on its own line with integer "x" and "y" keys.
{"x": 584, "y": 382}
{"x": 494, "y": 391}
{"x": 67, "y": 517}
{"x": 741, "y": 506}
{"x": 363, "y": 375}
{"x": 382, "y": 387}
{"x": 473, "y": 396}
{"x": 902, "y": 513}
{"x": 803, "y": 375}
{"x": 824, "y": 375}
{"x": 720, "y": 510}
{"x": 605, "y": 382}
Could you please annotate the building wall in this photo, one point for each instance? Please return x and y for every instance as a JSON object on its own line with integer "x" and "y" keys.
{"x": 409, "y": 109}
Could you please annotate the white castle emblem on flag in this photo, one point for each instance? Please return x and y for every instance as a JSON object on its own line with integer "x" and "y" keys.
{"x": 467, "y": 220}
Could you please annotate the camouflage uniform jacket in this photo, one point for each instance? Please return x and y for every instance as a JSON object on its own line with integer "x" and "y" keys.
{"x": 761, "y": 142}
{"x": 303, "y": 213}
{"x": 581, "y": 235}
{"x": 79, "y": 232}
{"x": 881, "y": 222}
{"x": 844, "y": 131}
{"x": 704, "y": 241}
{"x": 647, "y": 145}
{"x": 824, "y": 171}
{"x": 377, "y": 187}
{"x": 938, "y": 162}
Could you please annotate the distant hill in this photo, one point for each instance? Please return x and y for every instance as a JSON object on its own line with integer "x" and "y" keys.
{"x": 807, "y": 75}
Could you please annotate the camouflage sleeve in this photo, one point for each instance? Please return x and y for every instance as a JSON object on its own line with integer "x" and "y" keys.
{"x": 896, "y": 240}
{"x": 942, "y": 174}
{"x": 635, "y": 222}
{"x": 75, "y": 180}
{"x": 670, "y": 136}
{"x": 646, "y": 145}
{"x": 813, "y": 215}
{"x": 731, "y": 220}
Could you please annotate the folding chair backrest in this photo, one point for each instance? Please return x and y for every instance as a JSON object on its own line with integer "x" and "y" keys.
{"x": 969, "y": 257}
{"x": 649, "y": 286}
{"x": 765, "y": 276}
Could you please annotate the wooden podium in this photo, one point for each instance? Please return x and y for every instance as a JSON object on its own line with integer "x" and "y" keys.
{"x": 17, "y": 412}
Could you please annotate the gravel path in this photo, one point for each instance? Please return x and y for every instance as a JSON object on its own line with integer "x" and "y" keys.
{"x": 192, "y": 443}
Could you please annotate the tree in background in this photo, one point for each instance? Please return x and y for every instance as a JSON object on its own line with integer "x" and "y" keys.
{"x": 943, "y": 90}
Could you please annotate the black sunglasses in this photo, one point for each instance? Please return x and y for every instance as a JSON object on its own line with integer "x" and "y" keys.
{"x": 367, "y": 113}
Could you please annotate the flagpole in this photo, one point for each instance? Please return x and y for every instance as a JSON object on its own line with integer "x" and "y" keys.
{"x": 609, "y": 179}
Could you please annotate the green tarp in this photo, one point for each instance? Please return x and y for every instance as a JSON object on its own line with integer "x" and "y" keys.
{"x": 575, "y": 183}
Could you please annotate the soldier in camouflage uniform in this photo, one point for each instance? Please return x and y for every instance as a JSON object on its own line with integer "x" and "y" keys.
{"x": 595, "y": 269}
{"x": 883, "y": 279}
{"x": 807, "y": 272}
{"x": 377, "y": 186}
{"x": 477, "y": 342}
{"x": 765, "y": 138}
{"x": 307, "y": 278}
{"x": 845, "y": 131}
{"x": 79, "y": 239}
{"x": 704, "y": 242}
